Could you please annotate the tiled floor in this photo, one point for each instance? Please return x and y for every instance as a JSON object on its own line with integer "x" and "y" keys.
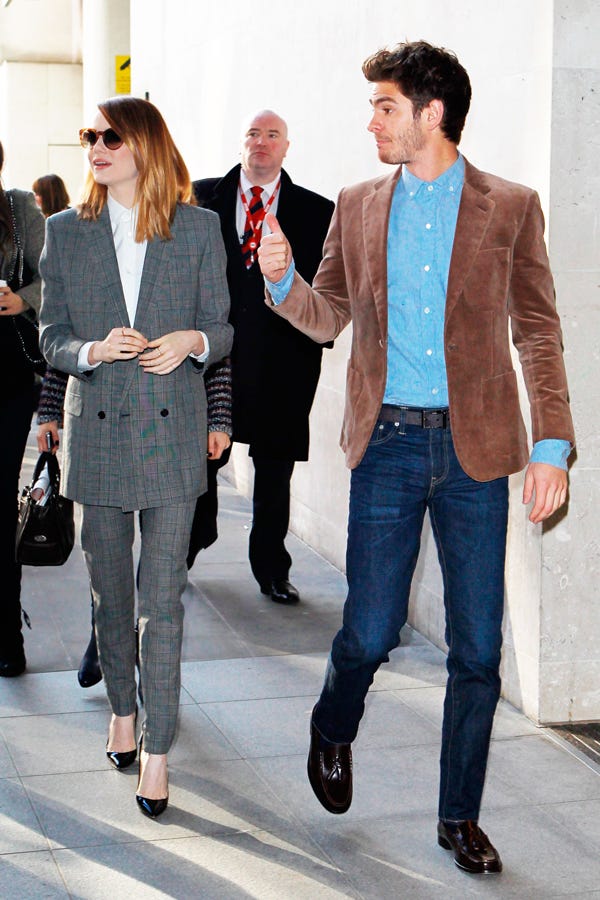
{"x": 242, "y": 821}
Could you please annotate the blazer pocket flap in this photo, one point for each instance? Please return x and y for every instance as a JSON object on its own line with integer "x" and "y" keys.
{"x": 73, "y": 403}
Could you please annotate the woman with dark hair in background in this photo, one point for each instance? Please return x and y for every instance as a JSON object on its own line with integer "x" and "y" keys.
{"x": 50, "y": 194}
{"x": 135, "y": 303}
{"x": 21, "y": 241}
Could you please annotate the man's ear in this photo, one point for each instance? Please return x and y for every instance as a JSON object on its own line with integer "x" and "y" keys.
{"x": 432, "y": 115}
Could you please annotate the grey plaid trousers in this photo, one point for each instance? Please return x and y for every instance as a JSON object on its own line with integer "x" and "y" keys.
{"x": 107, "y": 535}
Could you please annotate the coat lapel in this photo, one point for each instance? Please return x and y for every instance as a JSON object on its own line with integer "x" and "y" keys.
{"x": 153, "y": 274}
{"x": 224, "y": 202}
{"x": 474, "y": 216}
{"x": 375, "y": 219}
{"x": 103, "y": 249}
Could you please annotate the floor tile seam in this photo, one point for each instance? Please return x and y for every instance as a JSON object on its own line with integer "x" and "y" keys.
{"x": 528, "y": 799}
{"x": 64, "y": 712}
{"x": 308, "y": 696}
{"x": 225, "y": 702}
{"x": 548, "y": 808}
{"x": 303, "y": 827}
{"x": 234, "y": 659}
{"x": 357, "y": 750}
{"x": 229, "y": 628}
{"x": 72, "y": 772}
{"x": 19, "y": 779}
{"x": 416, "y": 712}
{"x": 43, "y": 850}
{"x": 556, "y": 739}
{"x": 403, "y": 690}
{"x": 224, "y": 832}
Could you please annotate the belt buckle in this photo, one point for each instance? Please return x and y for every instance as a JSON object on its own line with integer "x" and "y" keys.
{"x": 434, "y": 419}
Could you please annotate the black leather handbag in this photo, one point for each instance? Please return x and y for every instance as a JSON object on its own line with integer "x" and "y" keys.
{"x": 45, "y": 533}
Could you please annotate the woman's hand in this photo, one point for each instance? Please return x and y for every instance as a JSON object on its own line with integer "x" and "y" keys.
{"x": 168, "y": 352}
{"x": 42, "y": 430}
{"x": 119, "y": 343}
{"x": 10, "y": 303}
{"x": 218, "y": 442}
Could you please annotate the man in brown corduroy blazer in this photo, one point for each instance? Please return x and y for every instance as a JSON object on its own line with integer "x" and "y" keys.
{"x": 432, "y": 264}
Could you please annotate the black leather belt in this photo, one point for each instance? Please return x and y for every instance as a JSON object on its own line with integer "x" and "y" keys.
{"x": 424, "y": 418}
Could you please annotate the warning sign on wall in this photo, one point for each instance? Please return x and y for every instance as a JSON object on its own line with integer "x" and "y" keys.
{"x": 122, "y": 74}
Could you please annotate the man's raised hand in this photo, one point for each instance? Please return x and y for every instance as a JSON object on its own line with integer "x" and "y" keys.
{"x": 274, "y": 253}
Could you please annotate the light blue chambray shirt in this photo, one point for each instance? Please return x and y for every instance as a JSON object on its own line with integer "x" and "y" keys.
{"x": 419, "y": 246}
{"x": 420, "y": 238}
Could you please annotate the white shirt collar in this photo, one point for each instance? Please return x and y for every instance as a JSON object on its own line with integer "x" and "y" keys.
{"x": 267, "y": 188}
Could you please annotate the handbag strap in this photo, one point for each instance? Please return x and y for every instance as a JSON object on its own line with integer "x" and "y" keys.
{"x": 18, "y": 264}
{"x": 19, "y": 257}
{"x": 49, "y": 459}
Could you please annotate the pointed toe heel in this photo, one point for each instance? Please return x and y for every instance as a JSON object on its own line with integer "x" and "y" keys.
{"x": 90, "y": 672}
{"x": 152, "y": 808}
{"x": 121, "y": 760}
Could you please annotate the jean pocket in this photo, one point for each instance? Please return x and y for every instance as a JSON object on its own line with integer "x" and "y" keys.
{"x": 382, "y": 432}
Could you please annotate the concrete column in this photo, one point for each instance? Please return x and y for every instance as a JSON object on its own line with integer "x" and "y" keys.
{"x": 105, "y": 35}
{"x": 569, "y": 673}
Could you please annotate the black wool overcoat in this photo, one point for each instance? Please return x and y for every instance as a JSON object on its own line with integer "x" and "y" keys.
{"x": 275, "y": 368}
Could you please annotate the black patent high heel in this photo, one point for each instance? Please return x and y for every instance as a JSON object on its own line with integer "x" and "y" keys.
{"x": 151, "y": 808}
{"x": 90, "y": 672}
{"x": 122, "y": 760}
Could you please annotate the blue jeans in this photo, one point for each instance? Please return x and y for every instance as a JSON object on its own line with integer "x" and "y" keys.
{"x": 405, "y": 471}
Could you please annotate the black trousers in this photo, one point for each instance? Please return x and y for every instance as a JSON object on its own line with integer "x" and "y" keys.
{"x": 269, "y": 559}
{"x": 15, "y": 422}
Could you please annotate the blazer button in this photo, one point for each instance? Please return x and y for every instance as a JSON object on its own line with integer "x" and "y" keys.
{"x": 101, "y": 414}
{"x": 164, "y": 413}
{"x": 452, "y": 347}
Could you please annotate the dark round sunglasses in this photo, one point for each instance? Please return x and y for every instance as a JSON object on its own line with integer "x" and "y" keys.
{"x": 89, "y": 137}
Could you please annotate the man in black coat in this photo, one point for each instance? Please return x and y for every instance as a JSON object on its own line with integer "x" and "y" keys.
{"x": 275, "y": 368}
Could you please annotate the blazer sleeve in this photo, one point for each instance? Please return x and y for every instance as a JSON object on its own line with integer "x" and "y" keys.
{"x": 324, "y": 310}
{"x": 213, "y": 308}
{"x": 58, "y": 342}
{"x": 536, "y": 330}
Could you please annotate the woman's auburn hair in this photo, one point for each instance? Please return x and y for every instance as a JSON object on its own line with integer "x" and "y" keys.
{"x": 163, "y": 179}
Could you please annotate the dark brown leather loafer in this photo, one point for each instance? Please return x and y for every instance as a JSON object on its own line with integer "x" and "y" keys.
{"x": 330, "y": 772}
{"x": 471, "y": 846}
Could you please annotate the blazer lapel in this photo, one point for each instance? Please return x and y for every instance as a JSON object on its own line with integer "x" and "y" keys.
{"x": 474, "y": 216}
{"x": 153, "y": 273}
{"x": 375, "y": 218}
{"x": 103, "y": 249}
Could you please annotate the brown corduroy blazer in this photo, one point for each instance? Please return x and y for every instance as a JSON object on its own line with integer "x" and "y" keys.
{"x": 499, "y": 277}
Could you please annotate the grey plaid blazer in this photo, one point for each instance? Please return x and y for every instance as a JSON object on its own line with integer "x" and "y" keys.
{"x": 131, "y": 439}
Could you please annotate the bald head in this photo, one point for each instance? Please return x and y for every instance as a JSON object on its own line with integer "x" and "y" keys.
{"x": 264, "y": 146}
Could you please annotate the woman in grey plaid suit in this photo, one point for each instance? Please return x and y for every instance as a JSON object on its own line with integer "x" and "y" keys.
{"x": 134, "y": 305}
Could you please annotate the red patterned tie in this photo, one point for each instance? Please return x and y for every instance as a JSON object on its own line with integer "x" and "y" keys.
{"x": 255, "y": 214}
